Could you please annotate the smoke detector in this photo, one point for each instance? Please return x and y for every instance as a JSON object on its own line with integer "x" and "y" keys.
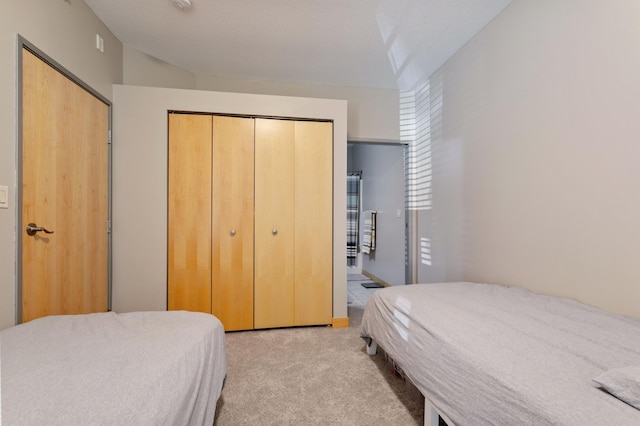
{"x": 181, "y": 4}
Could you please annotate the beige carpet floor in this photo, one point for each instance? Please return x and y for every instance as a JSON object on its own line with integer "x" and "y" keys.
{"x": 312, "y": 376}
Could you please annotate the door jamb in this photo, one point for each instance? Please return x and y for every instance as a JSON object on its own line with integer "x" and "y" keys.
{"x": 410, "y": 270}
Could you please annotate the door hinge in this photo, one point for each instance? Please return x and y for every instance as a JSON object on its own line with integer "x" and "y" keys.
{"x": 109, "y": 137}
{"x": 109, "y": 226}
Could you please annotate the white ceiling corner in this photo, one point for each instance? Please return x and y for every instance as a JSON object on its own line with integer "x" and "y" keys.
{"x": 389, "y": 44}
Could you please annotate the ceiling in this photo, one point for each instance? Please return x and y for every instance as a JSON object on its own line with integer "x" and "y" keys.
{"x": 389, "y": 44}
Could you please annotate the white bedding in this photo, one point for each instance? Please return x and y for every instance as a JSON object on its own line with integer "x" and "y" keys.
{"x": 487, "y": 354}
{"x": 140, "y": 368}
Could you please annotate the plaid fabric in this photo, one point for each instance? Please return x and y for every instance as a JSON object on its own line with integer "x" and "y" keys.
{"x": 353, "y": 217}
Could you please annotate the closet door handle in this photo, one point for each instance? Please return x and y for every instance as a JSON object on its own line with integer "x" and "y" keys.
{"x": 233, "y": 232}
{"x": 274, "y": 231}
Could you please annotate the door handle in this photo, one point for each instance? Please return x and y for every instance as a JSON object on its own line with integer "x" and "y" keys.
{"x": 32, "y": 228}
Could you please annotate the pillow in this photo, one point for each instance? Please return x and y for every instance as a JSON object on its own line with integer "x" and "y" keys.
{"x": 623, "y": 383}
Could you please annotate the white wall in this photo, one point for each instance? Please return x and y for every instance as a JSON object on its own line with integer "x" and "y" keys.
{"x": 140, "y": 69}
{"x": 540, "y": 140}
{"x": 66, "y": 32}
{"x": 372, "y": 113}
{"x": 140, "y": 183}
{"x": 383, "y": 190}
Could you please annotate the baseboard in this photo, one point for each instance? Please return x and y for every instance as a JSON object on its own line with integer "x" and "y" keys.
{"x": 375, "y": 279}
{"x": 340, "y": 322}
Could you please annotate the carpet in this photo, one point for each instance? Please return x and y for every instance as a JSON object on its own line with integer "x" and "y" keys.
{"x": 312, "y": 376}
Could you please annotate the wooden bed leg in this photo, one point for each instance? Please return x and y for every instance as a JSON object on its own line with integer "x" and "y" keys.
{"x": 372, "y": 347}
{"x": 431, "y": 416}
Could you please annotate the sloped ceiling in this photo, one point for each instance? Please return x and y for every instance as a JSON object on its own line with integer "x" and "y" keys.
{"x": 390, "y": 44}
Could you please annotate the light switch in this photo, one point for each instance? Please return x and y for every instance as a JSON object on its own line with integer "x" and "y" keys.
{"x": 99, "y": 43}
{"x": 4, "y": 197}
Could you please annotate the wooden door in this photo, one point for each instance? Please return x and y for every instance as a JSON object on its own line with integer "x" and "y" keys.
{"x": 274, "y": 227}
{"x": 189, "y": 213}
{"x": 313, "y": 250}
{"x": 232, "y": 222}
{"x": 64, "y": 187}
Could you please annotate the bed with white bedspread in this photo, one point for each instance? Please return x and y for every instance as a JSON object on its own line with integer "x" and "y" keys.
{"x": 488, "y": 354}
{"x": 139, "y": 368}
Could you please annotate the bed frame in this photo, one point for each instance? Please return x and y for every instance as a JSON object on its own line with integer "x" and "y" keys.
{"x": 431, "y": 415}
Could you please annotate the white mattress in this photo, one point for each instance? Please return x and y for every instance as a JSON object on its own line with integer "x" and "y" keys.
{"x": 141, "y": 368}
{"x": 486, "y": 354}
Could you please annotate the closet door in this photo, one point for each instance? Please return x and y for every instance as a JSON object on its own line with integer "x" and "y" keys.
{"x": 232, "y": 222}
{"x": 189, "y": 213}
{"x": 313, "y": 223}
{"x": 274, "y": 223}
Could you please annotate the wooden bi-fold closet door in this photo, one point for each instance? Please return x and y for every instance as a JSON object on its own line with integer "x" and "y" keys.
{"x": 313, "y": 213}
{"x": 253, "y": 234}
{"x": 210, "y": 244}
{"x": 274, "y": 223}
{"x": 293, "y": 223}
{"x": 232, "y": 222}
{"x": 189, "y": 213}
